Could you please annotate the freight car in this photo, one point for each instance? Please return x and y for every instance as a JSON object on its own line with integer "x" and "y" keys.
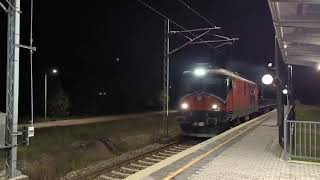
{"x": 215, "y": 99}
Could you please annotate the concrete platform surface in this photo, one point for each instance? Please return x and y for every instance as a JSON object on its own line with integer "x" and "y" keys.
{"x": 255, "y": 156}
{"x": 186, "y": 163}
{"x": 248, "y": 151}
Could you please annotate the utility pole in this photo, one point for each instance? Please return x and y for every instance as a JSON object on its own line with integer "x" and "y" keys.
{"x": 13, "y": 45}
{"x": 280, "y": 109}
{"x": 166, "y": 73}
{"x": 45, "y": 95}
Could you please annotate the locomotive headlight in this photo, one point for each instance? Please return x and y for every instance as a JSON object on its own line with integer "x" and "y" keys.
{"x": 184, "y": 106}
{"x": 215, "y": 107}
{"x": 199, "y": 72}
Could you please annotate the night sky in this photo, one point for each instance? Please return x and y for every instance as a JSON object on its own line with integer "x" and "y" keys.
{"x": 116, "y": 47}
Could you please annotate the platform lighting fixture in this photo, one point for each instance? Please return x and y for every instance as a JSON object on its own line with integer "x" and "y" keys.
{"x": 267, "y": 79}
{"x": 285, "y": 91}
{"x": 270, "y": 65}
{"x": 199, "y": 72}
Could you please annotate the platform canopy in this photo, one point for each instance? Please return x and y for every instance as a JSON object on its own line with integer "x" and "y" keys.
{"x": 297, "y": 26}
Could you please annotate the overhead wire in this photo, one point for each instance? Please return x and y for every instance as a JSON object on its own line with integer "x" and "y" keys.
{"x": 159, "y": 13}
{"x": 197, "y": 13}
{"x": 165, "y": 17}
{"x": 210, "y": 23}
{"x": 202, "y": 17}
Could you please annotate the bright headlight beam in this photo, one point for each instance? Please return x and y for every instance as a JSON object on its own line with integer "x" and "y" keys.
{"x": 200, "y": 72}
{"x": 214, "y": 106}
{"x": 184, "y": 106}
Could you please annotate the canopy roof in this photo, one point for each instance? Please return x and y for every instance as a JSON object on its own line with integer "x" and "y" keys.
{"x": 297, "y": 26}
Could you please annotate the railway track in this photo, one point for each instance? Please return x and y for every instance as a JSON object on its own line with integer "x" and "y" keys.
{"x": 135, "y": 164}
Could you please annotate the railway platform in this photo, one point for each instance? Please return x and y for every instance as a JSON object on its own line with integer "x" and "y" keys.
{"x": 248, "y": 151}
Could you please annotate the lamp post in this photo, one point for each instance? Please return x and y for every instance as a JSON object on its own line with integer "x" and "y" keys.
{"x": 286, "y": 93}
{"x": 53, "y": 71}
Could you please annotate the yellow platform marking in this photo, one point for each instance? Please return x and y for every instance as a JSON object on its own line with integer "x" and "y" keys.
{"x": 174, "y": 174}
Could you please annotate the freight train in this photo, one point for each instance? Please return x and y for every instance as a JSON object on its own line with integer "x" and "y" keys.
{"x": 215, "y": 99}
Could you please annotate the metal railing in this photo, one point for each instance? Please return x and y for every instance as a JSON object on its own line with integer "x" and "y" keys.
{"x": 303, "y": 140}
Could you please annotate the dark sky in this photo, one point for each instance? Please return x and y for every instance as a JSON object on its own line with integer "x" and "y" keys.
{"x": 84, "y": 39}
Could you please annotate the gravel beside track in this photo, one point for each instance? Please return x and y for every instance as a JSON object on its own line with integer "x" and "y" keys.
{"x": 130, "y": 163}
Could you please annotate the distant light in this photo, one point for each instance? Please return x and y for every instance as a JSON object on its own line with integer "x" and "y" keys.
{"x": 285, "y": 46}
{"x": 184, "y": 106}
{"x": 267, "y": 79}
{"x": 270, "y": 65}
{"x": 104, "y": 93}
{"x": 318, "y": 67}
{"x": 200, "y": 72}
{"x": 54, "y": 71}
{"x": 100, "y": 93}
{"x": 285, "y": 91}
{"x": 118, "y": 59}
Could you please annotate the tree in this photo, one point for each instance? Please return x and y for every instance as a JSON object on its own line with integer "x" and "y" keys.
{"x": 163, "y": 98}
{"x": 59, "y": 105}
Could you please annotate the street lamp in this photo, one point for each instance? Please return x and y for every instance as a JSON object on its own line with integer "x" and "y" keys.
{"x": 285, "y": 91}
{"x": 267, "y": 79}
{"x": 53, "y": 71}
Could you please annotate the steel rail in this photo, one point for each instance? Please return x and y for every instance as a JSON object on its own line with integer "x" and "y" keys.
{"x": 102, "y": 170}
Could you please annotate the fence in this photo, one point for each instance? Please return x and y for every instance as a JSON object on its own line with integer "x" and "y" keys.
{"x": 303, "y": 140}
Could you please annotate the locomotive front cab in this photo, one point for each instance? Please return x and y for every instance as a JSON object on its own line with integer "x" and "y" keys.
{"x": 204, "y": 104}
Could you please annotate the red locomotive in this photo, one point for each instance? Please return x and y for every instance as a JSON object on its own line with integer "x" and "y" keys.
{"x": 214, "y": 98}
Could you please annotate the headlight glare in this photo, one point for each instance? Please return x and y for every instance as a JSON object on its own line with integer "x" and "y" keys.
{"x": 184, "y": 106}
{"x": 215, "y": 107}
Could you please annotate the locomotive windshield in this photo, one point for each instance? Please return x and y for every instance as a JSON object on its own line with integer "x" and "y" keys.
{"x": 211, "y": 83}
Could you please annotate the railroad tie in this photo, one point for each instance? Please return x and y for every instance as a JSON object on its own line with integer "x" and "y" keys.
{"x": 152, "y": 159}
{"x": 180, "y": 148}
{"x": 158, "y": 156}
{"x": 165, "y": 154}
{"x": 138, "y": 165}
{"x": 170, "y": 152}
{"x": 146, "y": 162}
{"x": 120, "y": 173}
{"x": 108, "y": 177}
{"x": 184, "y": 146}
{"x": 130, "y": 169}
{"x": 175, "y": 150}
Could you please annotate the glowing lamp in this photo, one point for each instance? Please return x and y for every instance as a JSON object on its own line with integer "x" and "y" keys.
{"x": 184, "y": 106}
{"x": 267, "y": 79}
{"x": 200, "y": 72}
{"x": 54, "y": 71}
